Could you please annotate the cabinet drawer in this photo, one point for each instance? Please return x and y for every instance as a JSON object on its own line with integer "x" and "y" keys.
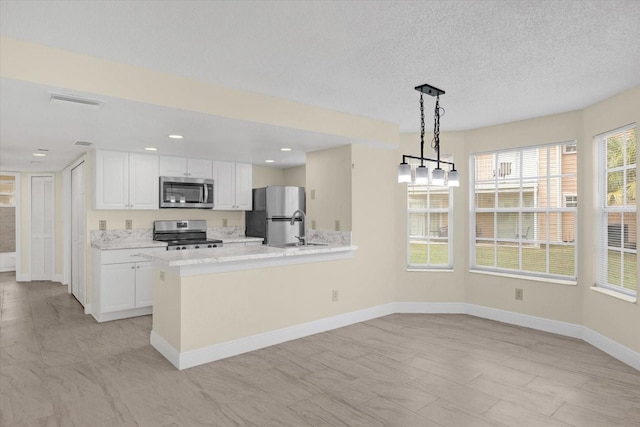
{"x": 117, "y": 256}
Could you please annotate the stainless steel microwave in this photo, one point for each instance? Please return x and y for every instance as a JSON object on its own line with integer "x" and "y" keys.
{"x": 176, "y": 192}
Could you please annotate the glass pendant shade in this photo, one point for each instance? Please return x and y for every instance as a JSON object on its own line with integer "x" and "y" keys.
{"x": 404, "y": 172}
{"x": 454, "y": 178}
{"x": 422, "y": 175}
{"x": 438, "y": 177}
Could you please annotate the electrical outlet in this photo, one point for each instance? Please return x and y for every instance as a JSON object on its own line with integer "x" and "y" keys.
{"x": 334, "y": 295}
{"x": 313, "y": 224}
{"x": 128, "y": 224}
{"x": 313, "y": 194}
{"x": 337, "y": 225}
{"x": 162, "y": 275}
{"x": 224, "y": 222}
{"x": 519, "y": 294}
{"x": 102, "y": 224}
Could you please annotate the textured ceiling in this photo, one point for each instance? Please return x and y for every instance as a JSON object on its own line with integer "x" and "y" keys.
{"x": 498, "y": 61}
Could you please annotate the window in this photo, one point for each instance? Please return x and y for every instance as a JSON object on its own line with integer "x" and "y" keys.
{"x": 429, "y": 211}
{"x": 617, "y": 212}
{"x": 570, "y": 201}
{"x": 570, "y": 148}
{"x": 524, "y": 221}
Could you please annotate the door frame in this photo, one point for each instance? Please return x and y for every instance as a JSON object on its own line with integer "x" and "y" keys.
{"x": 27, "y": 276}
{"x": 66, "y": 228}
{"x": 18, "y": 199}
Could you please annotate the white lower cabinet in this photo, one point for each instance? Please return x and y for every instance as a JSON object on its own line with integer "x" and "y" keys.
{"x": 122, "y": 284}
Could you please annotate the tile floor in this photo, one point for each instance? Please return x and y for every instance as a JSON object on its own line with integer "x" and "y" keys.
{"x": 59, "y": 367}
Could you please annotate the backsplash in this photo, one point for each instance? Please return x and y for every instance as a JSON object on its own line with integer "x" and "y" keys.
{"x": 224, "y": 232}
{"x": 121, "y": 236}
{"x": 329, "y": 237}
{"x": 143, "y": 234}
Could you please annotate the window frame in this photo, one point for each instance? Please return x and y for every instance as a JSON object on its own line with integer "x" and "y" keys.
{"x": 602, "y": 225}
{"x": 428, "y": 210}
{"x": 535, "y": 210}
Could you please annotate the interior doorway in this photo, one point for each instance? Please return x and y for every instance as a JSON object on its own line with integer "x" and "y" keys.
{"x": 9, "y": 220}
{"x": 42, "y": 228}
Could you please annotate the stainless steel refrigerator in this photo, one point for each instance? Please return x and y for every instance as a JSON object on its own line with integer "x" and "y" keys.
{"x": 270, "y": 218}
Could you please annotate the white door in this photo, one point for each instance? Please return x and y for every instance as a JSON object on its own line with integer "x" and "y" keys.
{"x": 78, "y": 233}
{"x": 42, "y": 232}
{"x": 144, "y": 284}
{"x": 223, "y": 186}
{"x": 118, "y": 287}
{"x": 143, "y": 181}
{"x": 111, "y": 180}
{"x": 199, "y": 168}
{"x": 244, "y": 195}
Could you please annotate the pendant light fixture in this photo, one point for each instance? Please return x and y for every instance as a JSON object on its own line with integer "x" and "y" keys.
{"x": 438, "y": 176}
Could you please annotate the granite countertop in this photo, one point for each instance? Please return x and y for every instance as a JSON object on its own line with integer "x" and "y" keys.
{"x": 108, "y": 245}
{"x": 245, "y": 253}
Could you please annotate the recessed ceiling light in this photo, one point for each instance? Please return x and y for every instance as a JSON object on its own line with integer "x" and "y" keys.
{"x": 285, "y": 149}
{"x": 39, "y": 154}
{"x": 269, "y": 161}
{"x": 151, "y": 148}
{"x": 174, "y": 136}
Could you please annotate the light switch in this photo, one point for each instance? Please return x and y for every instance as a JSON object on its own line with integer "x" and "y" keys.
{"x": 224, "y": 222}
{"x": 337, "y": 225}
{"x": 102, "y": 224}
{"x": 313, "y": 224}
{"x": 313, "y": 194}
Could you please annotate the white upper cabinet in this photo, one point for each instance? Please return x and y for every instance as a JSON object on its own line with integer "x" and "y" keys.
{"x": 232, "y": 186}
{"x": 125, "y": 180}
{"x": 144, "y": 182}
{"x": 184, "y": 167}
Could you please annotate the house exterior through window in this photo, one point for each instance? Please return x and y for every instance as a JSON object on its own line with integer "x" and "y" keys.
{"x": 617, "y": 211}
{"x": 429, "y": 219}
{"x": 524, "y": 214}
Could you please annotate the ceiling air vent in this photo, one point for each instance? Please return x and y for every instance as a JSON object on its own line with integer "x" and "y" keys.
{"x": 85, "y": 143}
{"x": 56, "y": 98}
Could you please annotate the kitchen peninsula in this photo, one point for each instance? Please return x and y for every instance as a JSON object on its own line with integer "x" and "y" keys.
{"x": 209, "y": 304}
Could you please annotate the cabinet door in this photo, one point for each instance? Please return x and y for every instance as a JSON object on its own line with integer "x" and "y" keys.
{"x": 199, "y": 168}
{"x": 111, "y": 172}
{"x": 243, "y": 186}
{"x": 173, "y": 166}
{"x": 117, "y": 287}
{"x": 223, "y": 186}
{"x": 144, "y": 284}
{"x": 143, "y": 181}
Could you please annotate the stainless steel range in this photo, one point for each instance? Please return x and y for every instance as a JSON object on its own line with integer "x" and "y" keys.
{"x": 184, "y": 234}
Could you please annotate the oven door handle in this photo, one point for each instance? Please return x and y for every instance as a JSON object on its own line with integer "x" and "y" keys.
{"x": 206, "y": 194}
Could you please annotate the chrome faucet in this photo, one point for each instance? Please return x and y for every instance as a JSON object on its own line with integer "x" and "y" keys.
{"x": 301, "y": 239}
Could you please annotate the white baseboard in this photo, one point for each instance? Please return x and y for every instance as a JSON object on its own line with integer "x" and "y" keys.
{"x": 87, "y": 309}
{"x": 430, "y": 307}
{"x": 215, "y": 352}
{"x": 57, "y": 278}
{"x": 21, "y": 277}
{"x": 166, "y": 349}
{"x": 612, "y": 348}
{"x": 10, "y": 268}
{"x": 525, "y": 320}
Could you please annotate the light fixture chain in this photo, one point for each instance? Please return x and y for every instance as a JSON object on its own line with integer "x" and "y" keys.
{"x": 421, "y": 129}
{"x": 436, "y": 126}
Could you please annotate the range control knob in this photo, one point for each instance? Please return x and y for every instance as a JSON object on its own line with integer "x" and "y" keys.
{"x": 177, "y": 248}
{"x": 184, "y": 247}
{"x": 197, "y": 247}
{"x": 210, "y": 246}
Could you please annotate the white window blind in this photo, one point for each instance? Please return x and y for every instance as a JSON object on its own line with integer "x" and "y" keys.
{"x": 617, "y": 211}
{"x": 521, "y": 221}
{"x": 429, "y": 223}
